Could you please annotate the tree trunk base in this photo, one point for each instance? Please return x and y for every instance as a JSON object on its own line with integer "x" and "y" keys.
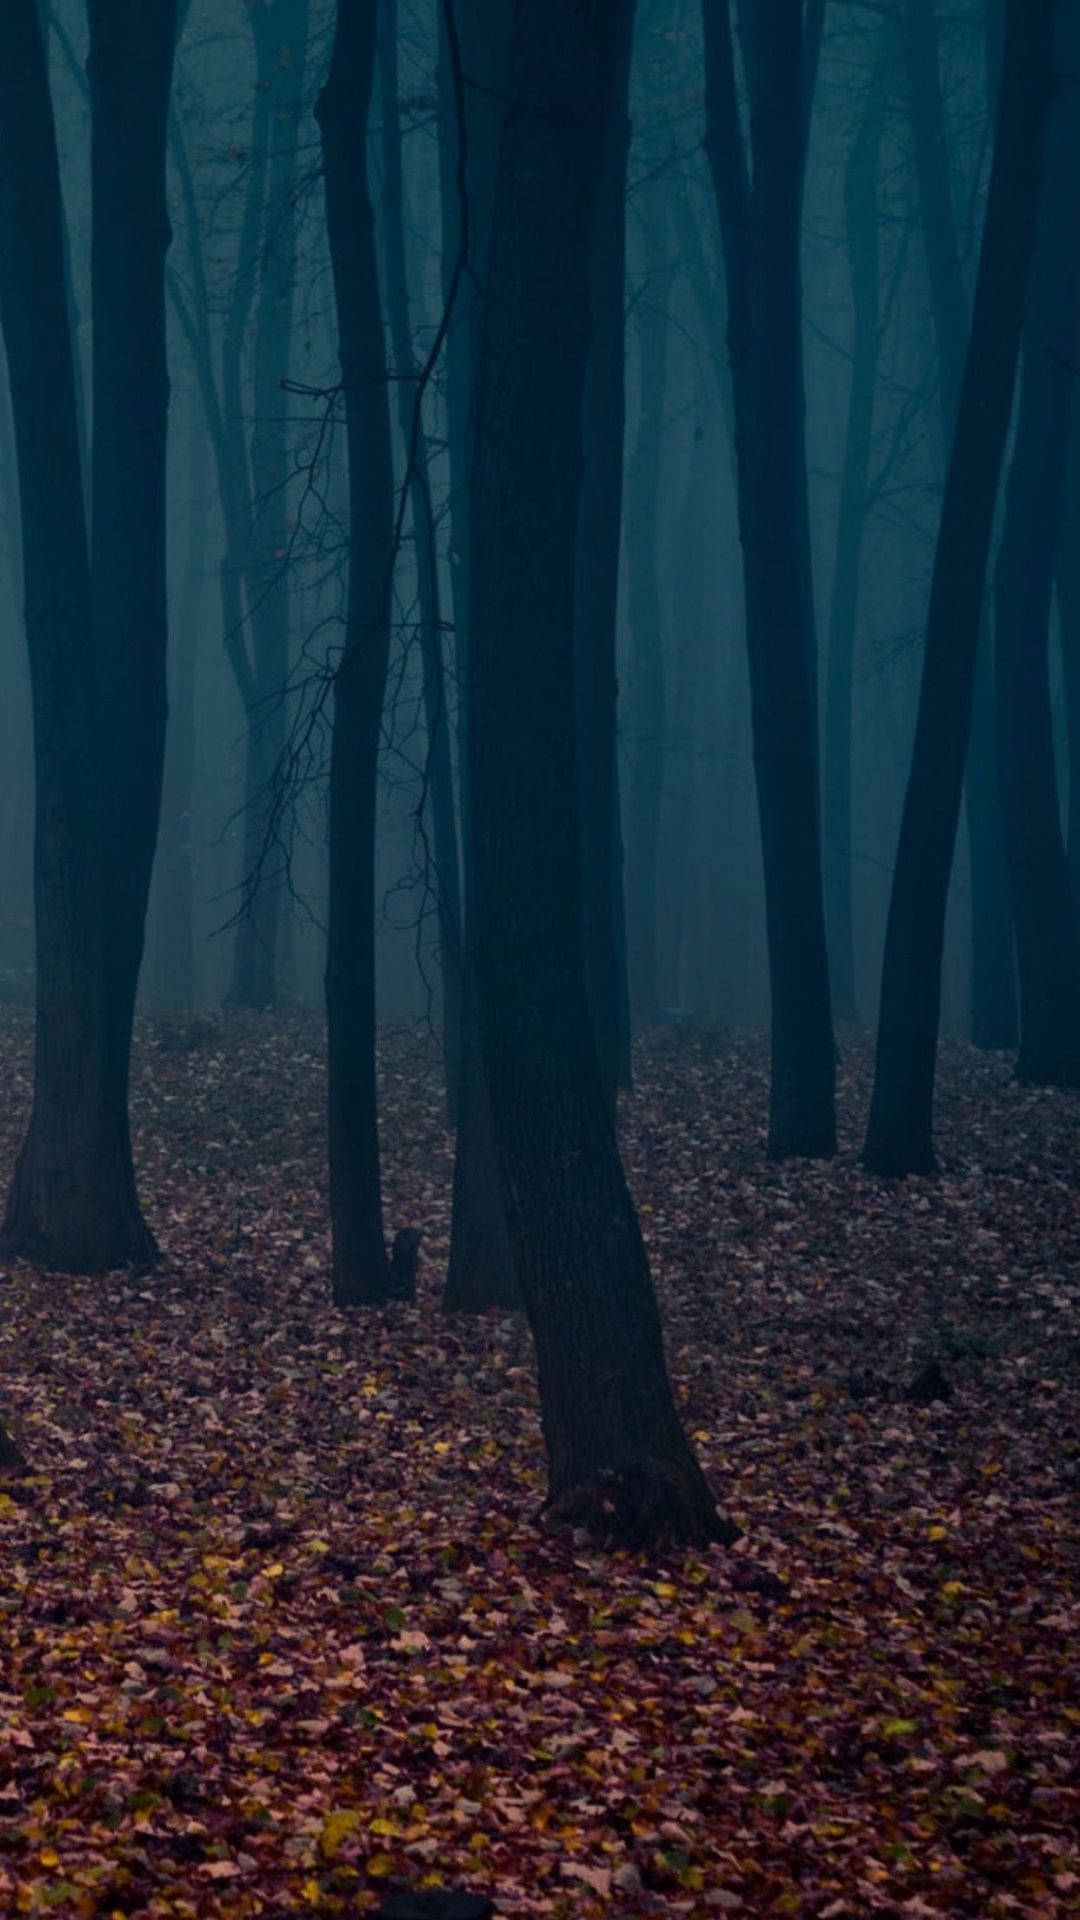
{"x": 1051, "y": 1066}
{"x": 893, "y": 1162}
{"x": 641, "y": 1505}
{"x": 89, "y": 1225}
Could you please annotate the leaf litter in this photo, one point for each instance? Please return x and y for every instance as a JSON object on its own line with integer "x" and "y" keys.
{"x": 280, "y": 1632}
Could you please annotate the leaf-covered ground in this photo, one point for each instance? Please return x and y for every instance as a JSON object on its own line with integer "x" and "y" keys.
{"x": 278, "y": 1629}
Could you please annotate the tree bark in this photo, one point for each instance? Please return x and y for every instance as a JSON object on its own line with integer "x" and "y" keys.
{"x": 900, "y": 1134}
{"x": 596, "y": 595}
{"x": 1068, "y": 599}
{"x": 618, "y": 1459}
{"x": 1048, "y": 962}
{"x": 361, "y": 1272}
{"x": 645, "y": 696}
{"x": 759, "y": 209}
{"x": 993, "y": 972}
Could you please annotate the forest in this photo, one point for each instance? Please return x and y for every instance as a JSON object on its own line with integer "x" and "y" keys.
{"x": 539, "y": 958}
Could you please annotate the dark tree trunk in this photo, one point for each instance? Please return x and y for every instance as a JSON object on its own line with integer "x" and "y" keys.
{"x": 361, "y": 1271}
{"x": 597, "y": 588}
{"x": 1034, "y": 498}
{"x": 645, "y": 696}
{"x": 993, "y": 972}
{"x": 130, "y": 69}
{"x": 1068, "y": 597}
{"x": 863, "y": 255}
{"x": 618, "y": 1459}
{"x": 97, "y": 655}
{"x": 480, "y": 1272}
{"x": 900, "y": 1135}
{"x": 439, "y": 779}
{"x": 759, "y": 200}
{"x": 280, "y": 31}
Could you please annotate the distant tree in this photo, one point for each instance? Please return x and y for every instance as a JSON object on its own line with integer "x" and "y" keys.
{"x": 96, "y": 639}
{"x": 1048, "y": 962}
{"x": 993, "y": 973}
{"x": 759, "y": 197}
{"x": 239, "y": 370}
{"x": 361, "y": 1271}
{"x": 438, "y": 772}
{"x": 618, "y": 1458}
{"x": 472, "y": 92}
{"x": 900, "y": 1137}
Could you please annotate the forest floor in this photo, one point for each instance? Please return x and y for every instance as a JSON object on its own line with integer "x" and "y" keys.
{"x": 279, "y": 1629}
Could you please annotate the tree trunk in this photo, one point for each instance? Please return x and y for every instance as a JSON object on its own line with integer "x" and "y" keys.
{"x": 900, "y": 1135}
{"x": 597, "y": 587}
{"x": 618, "y": 1459}
{"x": 993, "y": 973}
{"x": 863, "y": 255}
{"x": 1046, "y": 944}
{"x": 280, "y": 31}
{"x": 759, "y": 207}
{"x": 438, "y": 772}
{"x": 97, "y": 654}
{"x": 1068, "y": 597}
{"x": 645, "y": 695}
{"x": 361, "y": 1271}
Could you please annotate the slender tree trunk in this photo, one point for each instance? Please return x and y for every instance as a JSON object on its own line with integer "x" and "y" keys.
{"x": 280, "y": 31}
{"x": 900, "y": 1135}
{"x": 439, "y": 778}
{"x": 597, "y": 587}
{"x": 130, "y": 69}
{"x": 760, "y": 221}
{"x": 1068, "y": 596}
{"x": 645, "y": 702}
{"x": 360, "y": 1268}
{"x": 862, "y": 217}
{"x": 993, "y": 973}
{"x": 1049, "y": 965}
{"x": 618, "y": 1459}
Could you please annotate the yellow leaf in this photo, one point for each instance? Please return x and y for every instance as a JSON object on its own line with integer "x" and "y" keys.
{"x": 312, "y": 1892}
{"x": 49, "y": 1857}
{"x": 273, "y": 1572}
{"x": 337, "y": 1827}
{"x": 664, "y": 1590}
{"x": 937, "y": 1533}
{"x": 380, "y": 1865}
{"x": 385, "y": 1829}
{"x": 80, "y": 1715}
